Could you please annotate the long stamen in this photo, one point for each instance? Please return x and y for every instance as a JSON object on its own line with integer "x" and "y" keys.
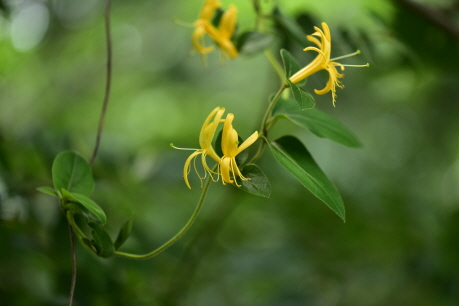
{"x": 345, "y": 56}
{"x": 343, "y": 65}
{"x": 233, "y": 161}
{"x": 187, "y": 149}
{"x": 183, "y": 23}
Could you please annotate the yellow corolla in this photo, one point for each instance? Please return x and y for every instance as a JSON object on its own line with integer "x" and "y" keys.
{"x": 231, "y": 148}
{"x": 323, "y": 62}
{"x": 221, "y": 35}
{"x": 205, "y": 141}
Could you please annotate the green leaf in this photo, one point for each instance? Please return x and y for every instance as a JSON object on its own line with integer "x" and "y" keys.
{"x": 101, "y": 240}
{"x": 47, "y": 190}
{"x": 89, "y": 204}
{"x": 304, "y": 99}
{"x": 294, "y": 157}
{"x": 124, "y": 233}
{"x": 290, "y": 26}
{"x": 258, "y": 183}
{"x": 291, "y": 66}
{"x": 250, "y": 43}
{"x": 72, "y": 173}
{"x": 319, "y": 123}
{"x": 217, "y": 17}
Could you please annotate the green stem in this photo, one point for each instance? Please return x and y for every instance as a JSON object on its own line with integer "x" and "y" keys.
{"x": 273, "y": 61}
{"x": 75, "y": 227}
{"x": 74, "y": 269}
{"x": 264, "y": 124}
{"x": 78, "y": 232}
{"x": 259, "y": 19}
{"x": 178, "y": 235}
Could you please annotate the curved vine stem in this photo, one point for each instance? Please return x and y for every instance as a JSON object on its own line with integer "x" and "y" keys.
{"x": 178, "y": 235}
{"x": 108, "y": 81}
{"x": 74, "y": 270}
{"x": 264, "y": 123}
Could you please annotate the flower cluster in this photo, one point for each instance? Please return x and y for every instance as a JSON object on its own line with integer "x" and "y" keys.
{"x": 323, "y": 62}
{"x": 227, "y": 167}
{"x": 221, "y": 34}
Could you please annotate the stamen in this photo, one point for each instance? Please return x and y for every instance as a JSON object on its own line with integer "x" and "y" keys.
{"x": 344, "y": 56}
{"x": 187, "y": 149}
{"x": 343, "y": 65}
{"x": 182, "y": 23}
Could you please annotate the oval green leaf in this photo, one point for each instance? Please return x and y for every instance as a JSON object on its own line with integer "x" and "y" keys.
{"x": 72, "y": 173}
{"x": 291, "y": 66}
{"x": 47, "y": 190}
{"x": 258, "y": 183}
{"x": 290, "y": 26}
{"x": 89, "y": 204}
{"x": 294, "y": 157}
{"x": 101, "y": 240}
{"x": 318, "y": 122}
{"x": 304, "y": 99}
{"x": 250, "y": 43}
{"x": 123, "y": 234}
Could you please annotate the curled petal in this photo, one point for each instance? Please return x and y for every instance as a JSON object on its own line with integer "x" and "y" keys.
{"x": 314, "y": 40}
{"x": 186, "y": 168}
{"x": 209, "y": 8}
{"x": 198, "y": 41}
{"x": 208, "y": 131}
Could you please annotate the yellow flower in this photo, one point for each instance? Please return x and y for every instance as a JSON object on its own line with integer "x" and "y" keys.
{"x": 221, "y": 35}
{"x": 205, "y": 141}
{"x": 231, "y": 148}
{"x": 323, "y": 62}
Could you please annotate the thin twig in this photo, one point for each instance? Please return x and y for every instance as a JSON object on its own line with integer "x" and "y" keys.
{"x": 74, "y": 270}
{"x": 108, "y": 80}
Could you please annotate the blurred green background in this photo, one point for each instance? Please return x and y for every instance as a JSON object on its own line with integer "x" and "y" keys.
{"x": 400, "y": 243}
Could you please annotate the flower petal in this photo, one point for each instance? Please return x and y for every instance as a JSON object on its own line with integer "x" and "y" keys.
{"x": 209, "y": 8}
{"x": 197, "y": 41}
{"x": 225, "y": 168}
{"x": 247, "y": 143}
{"x": 186, "y": 168}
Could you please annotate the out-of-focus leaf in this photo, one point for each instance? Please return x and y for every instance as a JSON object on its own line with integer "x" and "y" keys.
{"x": 47, "y": 190}
{"x": 72, "y": 173}
{"x": 124, "y": 233}
{"x": 250, "y": 43}
{"x": 101, "y": 240}
{"x": 318, "y": 122}
{"x": 92, "y": 206}
{"x": 290, "y": 27}
{"x": 258, "y": 183}
{"x": 294, "y": 157}
{"x": 217, "y": 17}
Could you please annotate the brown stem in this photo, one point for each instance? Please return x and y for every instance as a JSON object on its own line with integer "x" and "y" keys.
{"x": 74, "y": 270}
{"x": 108, "y": 80}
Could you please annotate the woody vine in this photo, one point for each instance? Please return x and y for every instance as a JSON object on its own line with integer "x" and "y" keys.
{"x": 221, "y": 155}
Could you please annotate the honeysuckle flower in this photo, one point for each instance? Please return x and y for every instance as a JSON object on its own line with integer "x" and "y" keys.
{"x": 205, "y": 141}
{"x": 221, "y": 35}
{"x": 323, "y": 62}
{"x": 230, "y": 149}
